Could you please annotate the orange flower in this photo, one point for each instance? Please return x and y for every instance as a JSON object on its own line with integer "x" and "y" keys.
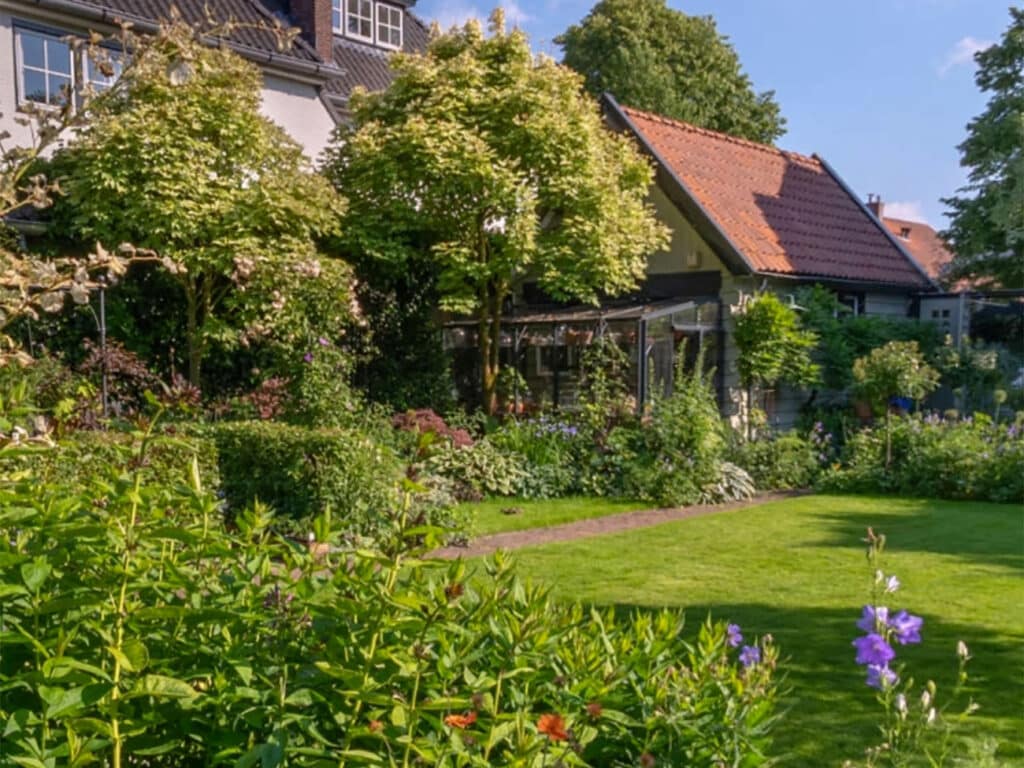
{"x": 375, "y": 725}
{"x": 594, "y": 709}
{"x": 553, "y": 726}
{"x": 460, "y": 721}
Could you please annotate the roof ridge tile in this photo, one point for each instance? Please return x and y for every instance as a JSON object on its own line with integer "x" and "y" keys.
{"x": 769, "y": 148}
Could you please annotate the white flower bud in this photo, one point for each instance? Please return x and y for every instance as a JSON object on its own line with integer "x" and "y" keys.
{"x": 961, "y": 650}
{"x": 901, "y": 704}
{"x": 926, "y": 699}
{"x": 931, "y": 716}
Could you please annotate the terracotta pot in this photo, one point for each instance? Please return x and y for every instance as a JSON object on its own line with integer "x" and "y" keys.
{"x": 863, "y": 410}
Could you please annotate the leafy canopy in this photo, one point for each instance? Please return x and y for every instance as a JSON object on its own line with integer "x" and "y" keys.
{"x": 772, "y": 344}
{"x": 495, "y": 163}
{"x": 987, "y": 217}
{"x": 178, "y": 159}
{"x": 652, "y": 57}
{"x": 897, "y": 369}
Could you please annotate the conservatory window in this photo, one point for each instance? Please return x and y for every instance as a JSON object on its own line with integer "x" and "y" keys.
{"x": 359, "y": 20}
{"x": 389, "y": 26}
{"x": 45, "y": 67}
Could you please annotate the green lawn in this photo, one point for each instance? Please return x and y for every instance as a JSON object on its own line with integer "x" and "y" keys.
{"x": 489, "y": 518}
{"x": 796, "y": 569}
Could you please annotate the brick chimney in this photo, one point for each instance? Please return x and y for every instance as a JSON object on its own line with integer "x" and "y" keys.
{"x": 876, "y": 206}
{"x": 314, "y": 18}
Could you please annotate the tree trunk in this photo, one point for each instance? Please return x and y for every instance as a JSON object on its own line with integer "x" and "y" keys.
{"x": 489, "y": 328}
{"x": 888, "y": 436}
{"x": 197, "y": 309}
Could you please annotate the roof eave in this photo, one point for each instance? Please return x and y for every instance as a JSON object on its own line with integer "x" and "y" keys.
{"x": 929, "y": 282}
{"x": 281, "y": 62}
{"x": 849, "y": 282}
{"x": 682, "y": 197}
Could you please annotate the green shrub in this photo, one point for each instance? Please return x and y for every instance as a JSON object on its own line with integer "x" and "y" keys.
{"x": 170, "y": 638}
{"x": 549, "y": 450}
{"x": 783, "y": 462}
{"x": 301, "y": 472}
{"x": 479, "y": 469}
{"x": 972, "y": 459}
{"x": 676, "y": 454}
{"x": 82, "y": 456}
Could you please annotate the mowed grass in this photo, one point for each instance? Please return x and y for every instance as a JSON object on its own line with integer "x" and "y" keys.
{"x": 534, "y": 513}
{"x": 796, "y": 569}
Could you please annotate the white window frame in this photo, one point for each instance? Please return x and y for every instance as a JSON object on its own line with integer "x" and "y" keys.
{"x": 20, "y": 66}
{"x": 338, "y": 14}
{"x": 91, "y": 76}
{"x": 372, "y": 19}
{"x": 391, "y": 11}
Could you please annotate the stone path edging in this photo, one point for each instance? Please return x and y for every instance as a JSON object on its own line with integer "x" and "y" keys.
{"x": 597, "y": 526}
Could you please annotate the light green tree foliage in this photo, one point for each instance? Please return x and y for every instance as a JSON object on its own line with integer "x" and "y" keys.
{"x": 178, "y": 159}
{"x": 31, "y": 286}
{"x": 897, "y": 369}
{"x": 773, "y": 346}
{"x": 495, "y": 161}
{"x": 653, "y": 57}
{"x": 987, "y": 219}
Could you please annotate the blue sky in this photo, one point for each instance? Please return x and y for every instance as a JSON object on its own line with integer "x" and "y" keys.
{"x": 882, "y": 89}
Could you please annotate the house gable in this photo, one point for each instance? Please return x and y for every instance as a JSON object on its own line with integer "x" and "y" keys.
{"x": 768, "y": 212}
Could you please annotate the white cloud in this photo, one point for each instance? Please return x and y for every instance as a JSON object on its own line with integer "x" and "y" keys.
{"x": 909, "y": 210}
{"x": 516, "y": 16}
{"x": 963, "y": 52}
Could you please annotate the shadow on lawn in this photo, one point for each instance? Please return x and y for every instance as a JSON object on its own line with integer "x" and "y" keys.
{"x": 990, "y": 534}
{"x": 830, "y": 714}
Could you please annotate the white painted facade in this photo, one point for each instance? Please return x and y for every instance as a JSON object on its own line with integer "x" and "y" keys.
{"x": 289, "y": 100}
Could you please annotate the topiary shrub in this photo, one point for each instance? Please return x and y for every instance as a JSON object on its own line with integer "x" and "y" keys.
{"x": 301, "y": 472}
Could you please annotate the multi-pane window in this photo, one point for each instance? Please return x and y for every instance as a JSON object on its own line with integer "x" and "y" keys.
{"x": 337, "y": 11}
{"x": 96, "y": 69}
{"x": 389, "y": 26}
{"x": 45, "y": 67}
{"x": 359, "y": 19}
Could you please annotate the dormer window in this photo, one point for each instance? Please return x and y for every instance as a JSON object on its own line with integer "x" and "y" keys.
{"x": 389, "y": 26}
{"x": 368, "y": 22}
{"x": 905, "y": 233}
{"x": 359, "y": 20}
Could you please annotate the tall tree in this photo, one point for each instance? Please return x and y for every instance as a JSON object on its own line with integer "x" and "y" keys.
{"x": 987, "y": 218}
{"x": 652, "y": 57}
{"x": 498, "y": 161}
{"x": 177, "y": 158}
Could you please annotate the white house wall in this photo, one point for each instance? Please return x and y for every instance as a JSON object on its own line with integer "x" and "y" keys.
{"x": 298, "y": 109}
{"x": 293, "y": 104}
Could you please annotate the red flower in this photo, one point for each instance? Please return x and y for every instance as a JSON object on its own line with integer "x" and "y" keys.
{"x": 553, "y": 726}
{"x": 594, "y": 709}
{"x": 647, "y": 760}
{"x": 460, "y": 721}
{"x": 375, "y": 725}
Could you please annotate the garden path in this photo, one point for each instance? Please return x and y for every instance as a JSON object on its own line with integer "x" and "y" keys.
{"x": 597, "y": 526}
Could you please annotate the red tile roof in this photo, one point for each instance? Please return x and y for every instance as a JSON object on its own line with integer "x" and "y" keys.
{"x": 784, "y": 212}
{"x": 923, "y": 242}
